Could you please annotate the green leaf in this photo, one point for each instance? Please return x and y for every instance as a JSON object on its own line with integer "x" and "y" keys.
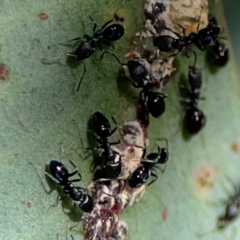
{"x": 38, "y": 107}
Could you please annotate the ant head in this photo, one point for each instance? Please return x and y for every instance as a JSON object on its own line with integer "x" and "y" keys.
{"x": 163, "y": 156}
{"x": 194, "y": 120}
{"x": 58, "y": 171}
{"x": 156, "y": 104}
{"x": 139, "y": 177}
{"x": 212, "y": 21}
{"x": 137, "y": 71}
{"x": 113, "y": 32}
{"x": 220, "y": 53}
{"x": 209, "y": 35}
{"x": 102, "y": 125}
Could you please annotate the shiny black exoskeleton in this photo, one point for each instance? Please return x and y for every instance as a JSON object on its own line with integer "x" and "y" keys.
{"x": 201, "y": 39}
{"x": 154, "y": 101}
{"x": 137, "y": 71}
{"x": 111, "y": 160}
{"x": 218, "y": 52}
{"x": 61, "y": 175}
{"x": 166, "y": 43}
{"x": 148, "y": 168}
{"x": 107, "y": 34}
{"x": 194, "y": 118}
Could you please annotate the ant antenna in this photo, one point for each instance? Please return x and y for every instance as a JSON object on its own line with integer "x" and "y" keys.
{"x": 80, "y": 81}
{"x": 162, "y": 139}
{"x": 195, "y": 59}
{"x": 114, "y": 55}
{"x": 51, "y": 61}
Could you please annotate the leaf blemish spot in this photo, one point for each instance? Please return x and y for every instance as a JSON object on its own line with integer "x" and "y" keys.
{"x": 204, "y": 178}
{"x": 234, "y": 147}
{"x": 43, "y": 16}
{"x": 28, "y": 204}
{"x": 4, "y": 72}
{"x": 164, "y": 214}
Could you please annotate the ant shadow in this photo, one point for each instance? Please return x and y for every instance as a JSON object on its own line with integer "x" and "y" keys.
{"x": 182, "y": 87}
{"x": 92, "y": 142}
{"x": 125, "y": 87}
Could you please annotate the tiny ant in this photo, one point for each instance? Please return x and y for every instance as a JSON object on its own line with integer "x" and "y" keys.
{"x": 147, "y": 168}
{"x": 166, "y": 43}
{"x": 154, "y": 101}
{"x": 218, "y": 51}
{"x": 203, "y": 38}
{"x": 137, "y": 70}
{"x": 232, "y": 209}
{"x": 112, "y": 165}
{"x": 194, "y": 117}
{"x": 107, "y": 34}
{"x": 61, "y": 175}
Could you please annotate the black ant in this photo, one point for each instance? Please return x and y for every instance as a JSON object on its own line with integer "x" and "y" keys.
{"x": 218, "y": 51}
{"x": 194, "y": 117}
{"x": 147, "y": 168}
{"x": 61, "y": 175}
{"x": 154, "y": 100}
{"x": 232, "y": 208}
{"x": 203, "y": 38}
{"x": 107, "y": 34}
{"x": 111, "y": 160}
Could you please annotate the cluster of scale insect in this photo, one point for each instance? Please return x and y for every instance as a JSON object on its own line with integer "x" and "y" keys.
{"x": 124, "y": 169}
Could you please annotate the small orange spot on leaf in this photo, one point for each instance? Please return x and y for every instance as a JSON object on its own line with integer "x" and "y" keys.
{"x": 164, "y": 213}
{"x": 43, "y": 16}
{"x": 28, "y": 204}
{"x": 234, "y": 147}
{"x": 4, "y": 72}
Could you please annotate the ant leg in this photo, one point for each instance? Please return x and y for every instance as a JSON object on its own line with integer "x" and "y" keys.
{"x": 115, "y": 143}
{"x": 104, "y": 52}
{"x": 169, "y": 29}
{"x": 162, "y": 139}
{"x": 114, "y": 130}
{"x": 54, "y": 179}
{"x": 71, "y": 55}
{"x": 107, "y": 23}
{"x": 163, "y": 170}
{"x": 144, "y": 153}
{"x": 45, "y": 189}
{"x": 114, "y": 120}
{"x": 75, "y": 172}
{"x": 56, "y": 202}
{"x": 155, "y": 176}
{"x": 76, "y": 39}
{"x": 118, "y": 18}
{"x": 80, "y": 81}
